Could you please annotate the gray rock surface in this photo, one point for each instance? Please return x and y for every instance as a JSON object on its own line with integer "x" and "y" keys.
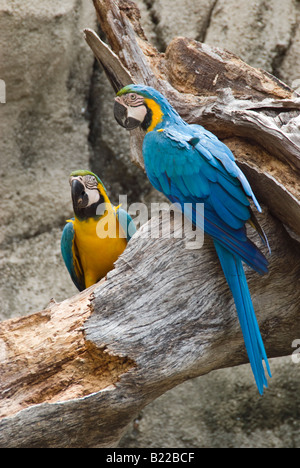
{"x": 223, "y": 410}
{"x": 47, "y": 68}
{"x": 260, "y": 32}
{"x": 57, "y": 118}
{"x": 187, "y": 18}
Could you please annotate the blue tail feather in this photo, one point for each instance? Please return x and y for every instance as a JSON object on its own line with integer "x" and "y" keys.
{"x": 235, "y": 276}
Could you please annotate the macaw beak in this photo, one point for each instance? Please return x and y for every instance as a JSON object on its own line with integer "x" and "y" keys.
{"x": 80, "y": 198}
{"x": 123, "y": 118}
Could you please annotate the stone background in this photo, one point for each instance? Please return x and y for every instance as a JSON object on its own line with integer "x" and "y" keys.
{"x": 58, "y": 118}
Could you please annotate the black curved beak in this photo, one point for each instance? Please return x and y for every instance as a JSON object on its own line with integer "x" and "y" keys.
{"x": 79, "y": 196}
{"x": 121, "y": 116}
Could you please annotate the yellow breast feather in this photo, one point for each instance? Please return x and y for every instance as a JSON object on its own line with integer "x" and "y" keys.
{"x": 99, "y": 243}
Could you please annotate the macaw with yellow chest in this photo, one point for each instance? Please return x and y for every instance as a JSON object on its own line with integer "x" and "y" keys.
{"x": 98, "y": 234}
{"x": 190, "y": 165}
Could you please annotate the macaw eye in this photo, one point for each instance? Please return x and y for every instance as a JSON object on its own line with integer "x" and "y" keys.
{"x": 133, "y": 97}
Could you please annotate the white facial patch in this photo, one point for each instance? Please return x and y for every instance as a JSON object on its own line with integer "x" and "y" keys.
{"x": 93, "y": 194}
{"x": 137, "y": 113}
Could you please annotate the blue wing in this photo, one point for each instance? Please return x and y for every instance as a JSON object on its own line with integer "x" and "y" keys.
{"x": 126, "y": 222}
{"x": 190, "y": 165}
{"x": 70, "y": 256}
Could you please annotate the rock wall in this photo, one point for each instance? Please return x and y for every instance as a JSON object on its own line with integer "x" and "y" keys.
{"x": 44, "y": 135}
{"x": 57, "y": 118}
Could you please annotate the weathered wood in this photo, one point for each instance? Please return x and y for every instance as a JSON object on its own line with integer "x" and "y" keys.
{"x": 77, "y": 373}
{"x": 46, "y": 357}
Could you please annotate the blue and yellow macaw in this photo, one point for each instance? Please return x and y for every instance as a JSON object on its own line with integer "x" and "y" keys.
{"x": 191, "y": 165}
{"x": 93, "y": 240}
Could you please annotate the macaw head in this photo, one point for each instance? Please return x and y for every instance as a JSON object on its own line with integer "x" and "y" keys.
{"x": 138, "y": 105}
{"x": 88, "y": 193}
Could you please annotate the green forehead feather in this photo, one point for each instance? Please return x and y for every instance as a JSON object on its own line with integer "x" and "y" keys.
{"x": 144, "y": 91}
{"x": 125, "y": 90}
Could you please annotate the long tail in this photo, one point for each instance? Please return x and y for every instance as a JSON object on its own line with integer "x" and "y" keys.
{"x": 235, "y": 276}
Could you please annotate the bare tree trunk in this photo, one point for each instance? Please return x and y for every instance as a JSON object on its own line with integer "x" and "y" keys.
{"x": 75, "y": 374}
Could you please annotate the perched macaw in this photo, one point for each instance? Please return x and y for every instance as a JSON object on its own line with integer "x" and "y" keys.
{"x": 93, "y": 240}
{"x": 191, "y": 165}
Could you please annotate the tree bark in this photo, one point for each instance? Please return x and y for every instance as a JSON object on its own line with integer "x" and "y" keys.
{"x": 76, "y": 374}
